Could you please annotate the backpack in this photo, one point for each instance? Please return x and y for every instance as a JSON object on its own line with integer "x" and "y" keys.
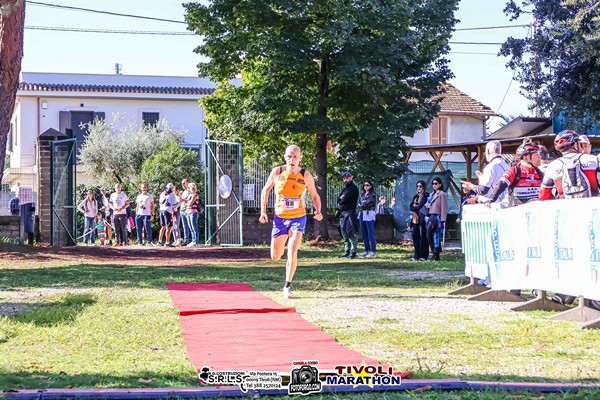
{"x": 574, "y": 182}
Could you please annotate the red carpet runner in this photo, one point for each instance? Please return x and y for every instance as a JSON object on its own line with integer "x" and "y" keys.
{"x": 230, "y": 327}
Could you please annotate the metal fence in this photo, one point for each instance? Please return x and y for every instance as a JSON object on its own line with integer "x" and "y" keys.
{"x": 16, "y": 177}
{"x": 255, "y": 178}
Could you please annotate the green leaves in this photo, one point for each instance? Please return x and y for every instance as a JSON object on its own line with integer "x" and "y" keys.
{"x": 558, "y": 64}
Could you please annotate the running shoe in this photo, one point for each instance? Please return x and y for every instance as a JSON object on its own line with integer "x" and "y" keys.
{"x": 287, "y": 293}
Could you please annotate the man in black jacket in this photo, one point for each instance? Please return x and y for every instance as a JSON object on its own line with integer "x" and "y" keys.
{"x": 347, "y": 201}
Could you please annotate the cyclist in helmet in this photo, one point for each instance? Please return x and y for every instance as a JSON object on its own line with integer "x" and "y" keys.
{"x": 567, "y": 142}
{"x": 522, "y": 180}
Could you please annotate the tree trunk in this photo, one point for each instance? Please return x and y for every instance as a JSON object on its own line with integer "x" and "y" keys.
{"x": 320, "y": 227}
{"x": 12, "y": 19}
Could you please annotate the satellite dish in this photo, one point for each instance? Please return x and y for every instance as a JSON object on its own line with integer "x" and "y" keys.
{"x": 224, "y": 187}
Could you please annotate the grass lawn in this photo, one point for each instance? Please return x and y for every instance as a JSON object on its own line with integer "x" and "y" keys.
{"x": 88, "y": 323}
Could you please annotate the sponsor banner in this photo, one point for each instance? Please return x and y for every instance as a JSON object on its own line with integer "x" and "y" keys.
{"x": 552, "y": 245}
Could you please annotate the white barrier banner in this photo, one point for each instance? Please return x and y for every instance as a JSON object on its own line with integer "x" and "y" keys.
{"x": 553, "y": 246}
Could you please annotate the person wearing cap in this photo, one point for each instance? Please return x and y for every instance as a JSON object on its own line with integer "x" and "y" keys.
{"x": 167, "y": 206}
{"x": 585, "y": 147}
{"x": 119, "y": 203}
{"x": 347, "y": 202}
{"x": 291, "y": 183}
{"x": 108, "y": 214}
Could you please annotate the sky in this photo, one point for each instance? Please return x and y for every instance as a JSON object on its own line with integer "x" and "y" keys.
{"x": 478, "y": 71}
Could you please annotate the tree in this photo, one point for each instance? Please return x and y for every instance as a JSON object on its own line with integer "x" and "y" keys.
{"x": 12, "y": 19}
{"x": 172, "y": 164}
{"x": 360, "y": 74}
{"x": 558, "y": 66}
{"x": 115, "y": 152}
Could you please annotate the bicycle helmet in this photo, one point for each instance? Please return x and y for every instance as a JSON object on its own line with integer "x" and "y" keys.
{"x": 566, "y": 139}
{"x": 527, "y": 148}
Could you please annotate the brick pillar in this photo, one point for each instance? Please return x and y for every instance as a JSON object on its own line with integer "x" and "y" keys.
{"x": 44, "y": 196}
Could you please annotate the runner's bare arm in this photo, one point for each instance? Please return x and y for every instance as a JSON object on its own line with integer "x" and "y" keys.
{"x": 310, "y": 185}
{"x": 264, "y": 195}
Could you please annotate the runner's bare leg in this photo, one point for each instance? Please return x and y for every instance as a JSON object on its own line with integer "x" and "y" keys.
{"x": 292, "y": 255}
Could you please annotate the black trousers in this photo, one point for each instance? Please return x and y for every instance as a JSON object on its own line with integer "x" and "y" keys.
{"x": 121, "y": 228}
{"x": 419, "y": 238}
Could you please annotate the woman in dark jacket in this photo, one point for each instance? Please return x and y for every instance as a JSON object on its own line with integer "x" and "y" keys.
{"x": 418, "y": 222}
{"x": 367, "y": 203}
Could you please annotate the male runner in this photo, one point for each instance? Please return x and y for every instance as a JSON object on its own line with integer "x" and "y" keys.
{"x": 290, "y": 182}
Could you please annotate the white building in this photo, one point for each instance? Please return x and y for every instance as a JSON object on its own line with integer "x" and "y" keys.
{"x": 461, "y": 119}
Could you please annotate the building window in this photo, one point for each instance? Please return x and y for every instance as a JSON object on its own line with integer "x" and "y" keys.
{"x": 438, "y": 131}
{"x": 150, "y": 118}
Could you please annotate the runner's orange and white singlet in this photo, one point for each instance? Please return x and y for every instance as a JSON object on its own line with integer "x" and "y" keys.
{"x": 289, "y": 191}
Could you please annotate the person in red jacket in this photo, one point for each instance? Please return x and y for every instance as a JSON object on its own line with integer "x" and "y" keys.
{"x": 523, "y": 180}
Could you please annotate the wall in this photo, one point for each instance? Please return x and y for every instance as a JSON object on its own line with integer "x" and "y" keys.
{"x": 9, "y": 226}
{"x": 182, "y": 114}
{"x": 461, "y": 129}
{"x": 256, "y": 233}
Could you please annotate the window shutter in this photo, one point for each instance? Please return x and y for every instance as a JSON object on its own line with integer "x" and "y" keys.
{"x": 443, "y": 130}
{"x": 434, "y": 132}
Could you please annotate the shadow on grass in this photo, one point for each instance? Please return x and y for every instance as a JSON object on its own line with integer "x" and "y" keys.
{"x": 43, "y": 379}
{"x": 260, "y": 277}
{"x": 64, "y": 311}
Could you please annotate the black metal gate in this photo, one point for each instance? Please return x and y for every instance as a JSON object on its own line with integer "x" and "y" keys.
{"x": 63, "y": 227}
{"x": 223, "y": 193}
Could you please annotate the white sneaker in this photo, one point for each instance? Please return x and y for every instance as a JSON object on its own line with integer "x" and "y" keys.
{"x": 370, "y": 255}
{"x": 192, "y": 244}
{"x": 362, "y": 255}
{"x": 287, "y": 293}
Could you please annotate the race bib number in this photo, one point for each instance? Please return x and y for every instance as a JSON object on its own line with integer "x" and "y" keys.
{"x": 287, "y": 203}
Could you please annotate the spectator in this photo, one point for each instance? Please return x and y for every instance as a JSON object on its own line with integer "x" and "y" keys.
{"x": 178, "y": 217}
{"x": 13, "y": 205}
{"x": 108, "y": 215}
{"x": 567, "y": 142}
{"x": 119, "y": 203}
{"x": 437, "y": 203}
{"x": 167, "y": 206}
{"x": 523, "y": 180}
{"x": 347, "y": 201}
{"x": 89, "y": 208}
{"x": 570, "y": 185}
{"x": 101, "y": 229}
{"x": 366, "y": 218}
{"x": 544, "y": 156}
{"x": 381, "y": 207}
{"x": 185, "y": 223}
{"x": 585, "y": 147}
{"x": 392, "y": 205}
{"x": 493, "y": 171}
{"x": 144, "y": 215}
{"x": 191, "y": 211}
{"x": 418, "y": 222}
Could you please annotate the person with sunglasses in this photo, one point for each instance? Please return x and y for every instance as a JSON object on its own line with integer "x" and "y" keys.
{"x": 437, "y": 203}
{"x": 418, "y": 226}
{"x": 367, "y": 202}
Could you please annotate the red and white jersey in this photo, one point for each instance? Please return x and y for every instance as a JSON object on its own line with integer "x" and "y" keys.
{"x": 553, "y": 178}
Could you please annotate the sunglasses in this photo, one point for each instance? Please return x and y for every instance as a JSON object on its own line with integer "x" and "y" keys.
{"x": 419, "y": 185}
{"x": 435, "y": 183}
{"x": 366, "y": 184}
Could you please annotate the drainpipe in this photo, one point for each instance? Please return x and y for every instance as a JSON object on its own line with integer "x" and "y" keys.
{"x": 38, "y": 117}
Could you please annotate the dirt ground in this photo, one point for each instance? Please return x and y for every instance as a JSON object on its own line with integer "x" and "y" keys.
{"x": 133, "y": 255}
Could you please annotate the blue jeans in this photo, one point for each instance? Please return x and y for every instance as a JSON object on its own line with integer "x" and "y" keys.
{"x": 89, "y": 233}
{"x": 186, "y": 227}
{"x": 192, "y": 219}
{"x": 143, "y": 222}
{"x": 367, "y": 230}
